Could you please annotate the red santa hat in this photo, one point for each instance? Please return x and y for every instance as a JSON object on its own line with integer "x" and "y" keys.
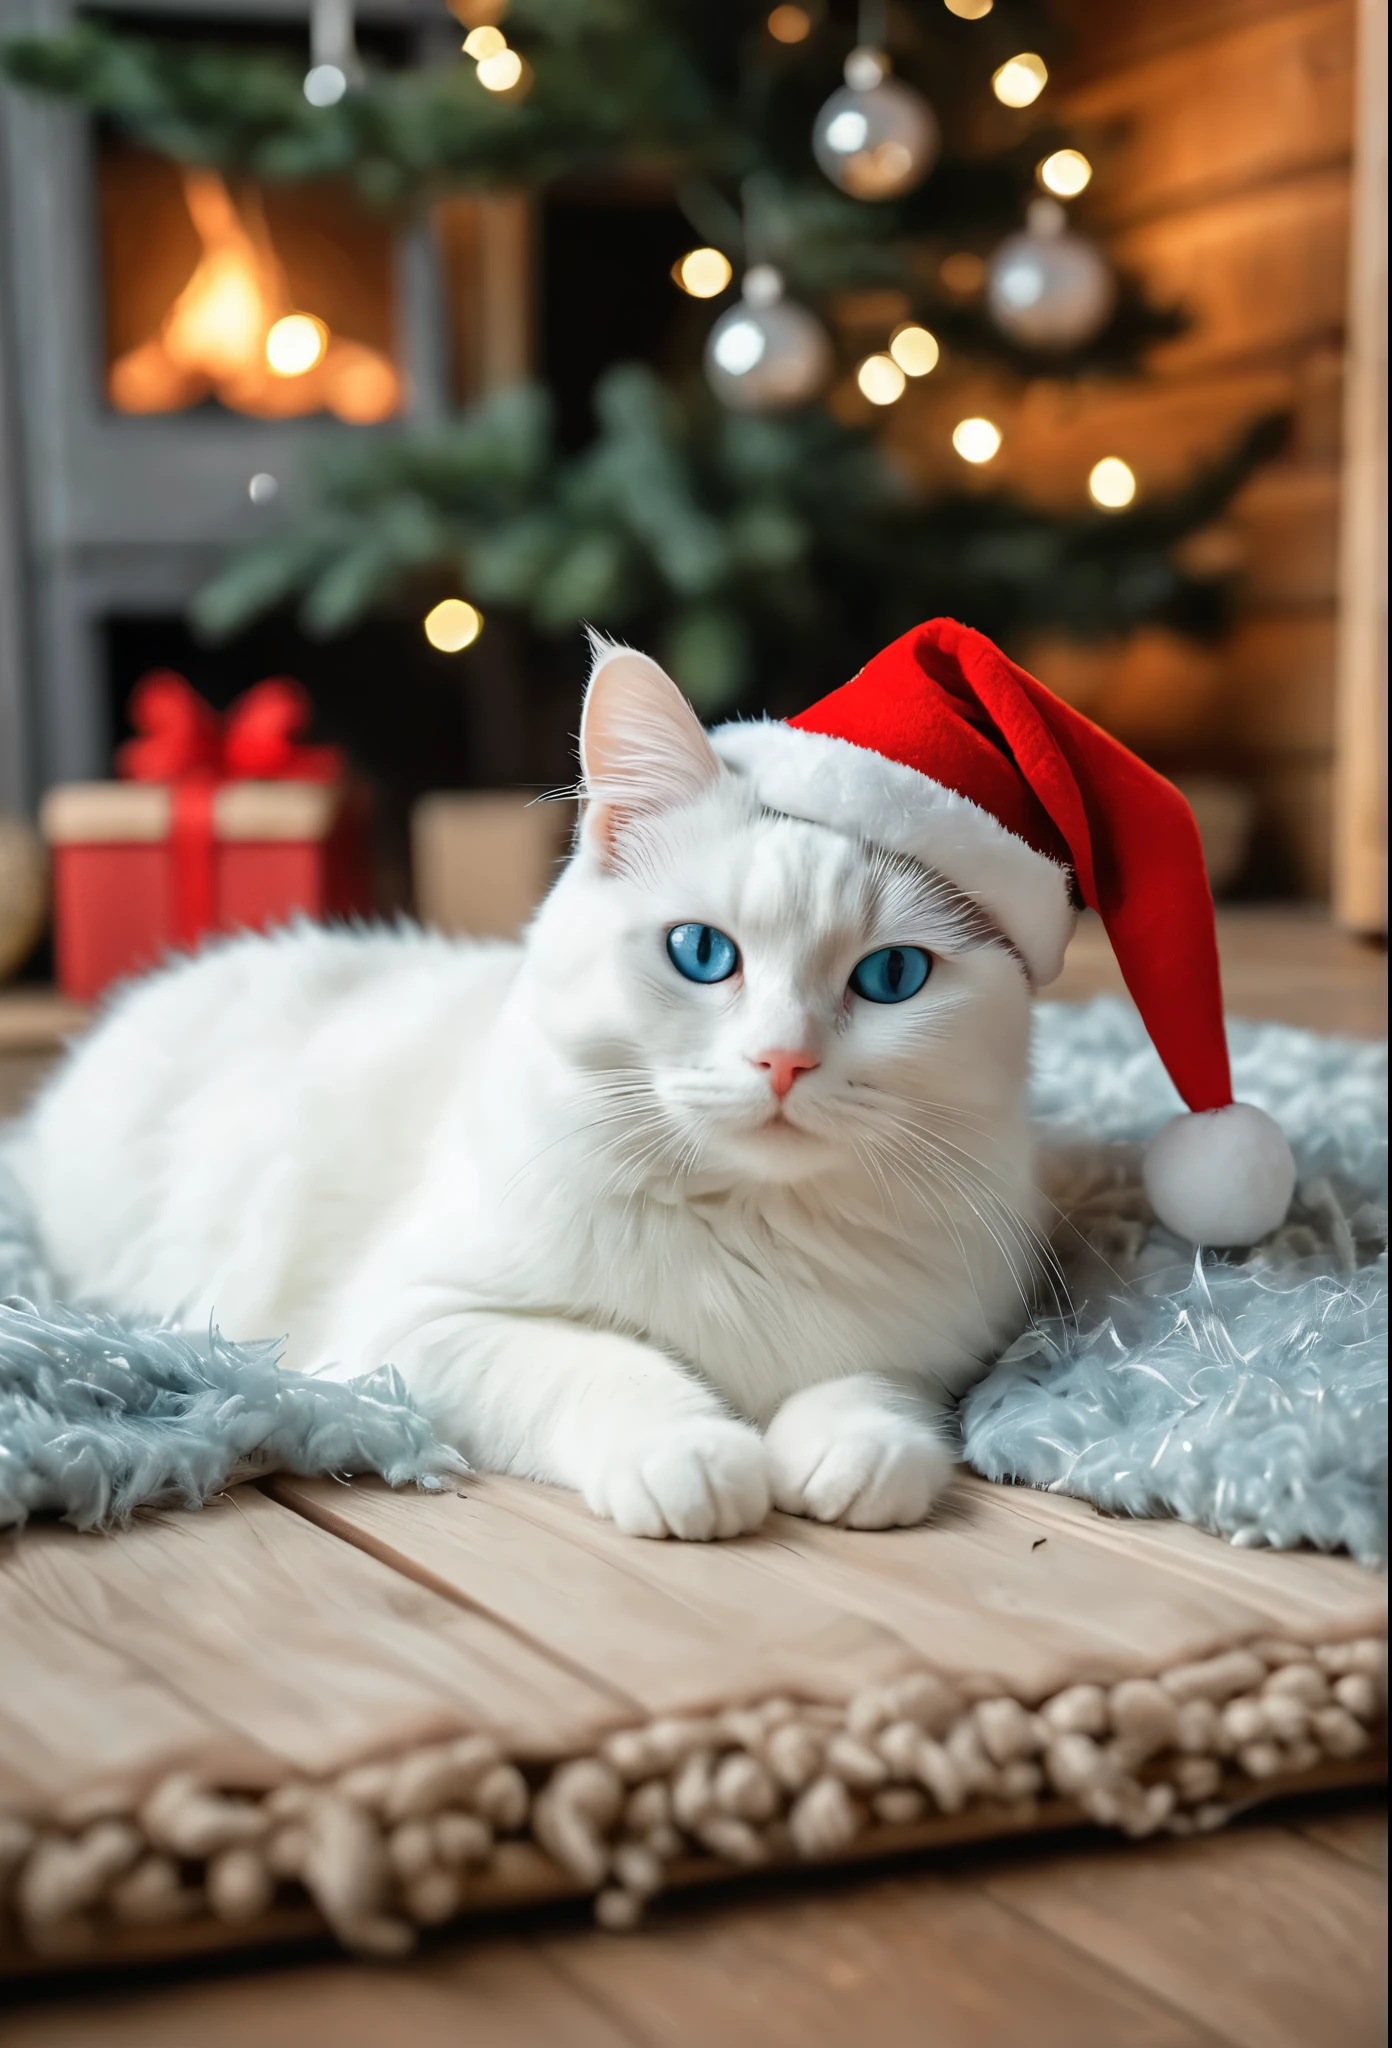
{"x": 944, "y": 749}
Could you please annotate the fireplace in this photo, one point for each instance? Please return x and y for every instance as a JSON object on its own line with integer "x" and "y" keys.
{"x": 277, "y": 304}
{"x": 177, "y": 347}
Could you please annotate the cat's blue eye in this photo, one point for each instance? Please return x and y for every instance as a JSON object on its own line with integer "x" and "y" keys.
{"x": 702, "y": 953}
{"x": 893, "y": 974}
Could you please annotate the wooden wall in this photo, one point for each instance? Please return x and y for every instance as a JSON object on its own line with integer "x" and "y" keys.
{"x": 1228, "y": 187}
{"x": 1221, "y": 133}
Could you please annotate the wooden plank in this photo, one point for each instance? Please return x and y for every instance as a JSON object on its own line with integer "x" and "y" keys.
{"x": 501, "y": 1996}
{"x": 1315, "y": 1597}
{"x": 82, "y": 1721}
{"x": 901, "y": 1963}
{"x": 1295, "y": 806}
{"x": 1254, "y": 1934}
{"x": 304, "y": 1646}
{"x": 1288, "y": 517}
{"x": 1266, "y": 99}
{"x": 1279, "y": 685}
{"x": 1361, "y": 1837}
{"x": 974, "y": 1595}
{"x": 38, "y": 1020}
{"x": 1281, "y": 962}
{"x": 680, "y": 1626}
{"x": 20, "y": 1075}
{"x": 1261, "y": 273}
{"x": 1360, "y": 809}
{"x": 1106, "y": 38}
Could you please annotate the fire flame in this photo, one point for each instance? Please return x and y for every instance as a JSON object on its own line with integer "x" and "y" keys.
{"x": 234, "y": 334}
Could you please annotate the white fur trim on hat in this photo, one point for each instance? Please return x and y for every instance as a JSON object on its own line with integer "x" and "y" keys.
{"x": 1223, "y": 1176}
{"x": 833, "y": 782}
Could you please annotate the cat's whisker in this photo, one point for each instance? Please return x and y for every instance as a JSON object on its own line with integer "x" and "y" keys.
{"x": 967, "y": 1172}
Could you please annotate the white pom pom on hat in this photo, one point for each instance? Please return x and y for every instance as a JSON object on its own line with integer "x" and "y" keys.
{"x": 942, "y": 748}
{"x": 1222, "y": 1177}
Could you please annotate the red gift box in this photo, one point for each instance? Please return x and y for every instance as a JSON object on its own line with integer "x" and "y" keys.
{"x": 222, "y": 824}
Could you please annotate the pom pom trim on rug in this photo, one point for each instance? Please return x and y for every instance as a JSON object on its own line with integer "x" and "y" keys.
{"x": 388, "y": 1847}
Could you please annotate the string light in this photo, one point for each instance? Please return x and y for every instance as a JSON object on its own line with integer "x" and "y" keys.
{"x": 501, "y": 72}
{"x": 262, "y": 487}
{"x": 914, "y": 349}
{"x": 1066, "y": 173}
{"x": 963, "y": 272}
{"x": 969, "y": 10}
{"x": 295, "y": 344}
{"x": 790, "y": 24}
{"x": 881, "y": 379}
{"x": 1112, "y": 483}
{"x": 453, "y": 625}
{"x": 325, "y": 85}
{"x": 1020, "y": 80}
{"x": 976, "y": 440}
{"x": 487, "y": 41}
{"x": 703, "y": 273}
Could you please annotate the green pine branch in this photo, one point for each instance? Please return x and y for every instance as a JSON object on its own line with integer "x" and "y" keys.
{"x": 782, "y": 545}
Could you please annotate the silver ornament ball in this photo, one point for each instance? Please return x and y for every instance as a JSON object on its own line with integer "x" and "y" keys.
{"x": 767, "y": 352}
{"x": 875, "y": 137}
{"x": 1047, "y": 287}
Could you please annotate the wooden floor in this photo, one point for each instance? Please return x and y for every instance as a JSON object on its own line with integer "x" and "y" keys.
{"x": 1271, "y": 1935}
{"x": 1272, "y": 1932}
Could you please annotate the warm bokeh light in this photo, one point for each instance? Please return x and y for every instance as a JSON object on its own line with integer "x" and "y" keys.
{"x": 963, "y": 272}
{"x": 976, "y": 440}
{"x": 914, "y": 349}
{"x": 790, "y": 24}
{"x": 453, "y": 625}
{"x": 295, "y": 344}
{"x": 484, "y": 42}
{"x": 1112, "y": 483}
{"x": 881, "y": 379}
{"x": 500, "y": 73}
{"x": 364, "y": 387}
{"x": 969, "y": 10}
{"x": 1020, "y": 81}
{"x": 704, "y": 273}
{"x": 325, "y": 85}
{"x": 1066, "y": 173}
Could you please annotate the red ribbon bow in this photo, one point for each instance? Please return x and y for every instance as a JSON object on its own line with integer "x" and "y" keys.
{"x": 184, "y": 742}
{"x": 182, "y": 738}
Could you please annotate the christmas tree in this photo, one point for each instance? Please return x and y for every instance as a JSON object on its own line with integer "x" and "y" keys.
{"x": 745, "y": 510}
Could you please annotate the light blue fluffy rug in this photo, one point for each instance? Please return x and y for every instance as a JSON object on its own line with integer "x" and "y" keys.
{"x": 99, "y": 1417}
{"x": 1244, "y": 1392}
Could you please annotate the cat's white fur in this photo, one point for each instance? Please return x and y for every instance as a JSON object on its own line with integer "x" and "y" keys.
{"x": 552, "y": 1184}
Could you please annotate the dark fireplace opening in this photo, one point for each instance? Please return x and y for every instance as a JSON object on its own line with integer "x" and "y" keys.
{"x": 606, "y": 293}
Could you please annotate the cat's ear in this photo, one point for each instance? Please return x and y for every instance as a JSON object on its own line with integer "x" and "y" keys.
{"x": 642, "y": 747}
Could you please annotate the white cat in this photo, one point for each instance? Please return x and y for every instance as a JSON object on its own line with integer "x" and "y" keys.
{"x": 712, "y": 1191}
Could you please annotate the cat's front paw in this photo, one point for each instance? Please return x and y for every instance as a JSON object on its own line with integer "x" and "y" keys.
{"x": 833, "y": 1458}
{"x": 701, "y": 1478}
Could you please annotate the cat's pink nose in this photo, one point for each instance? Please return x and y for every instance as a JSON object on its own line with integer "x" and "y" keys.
{"x": 783, "y": 1068}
